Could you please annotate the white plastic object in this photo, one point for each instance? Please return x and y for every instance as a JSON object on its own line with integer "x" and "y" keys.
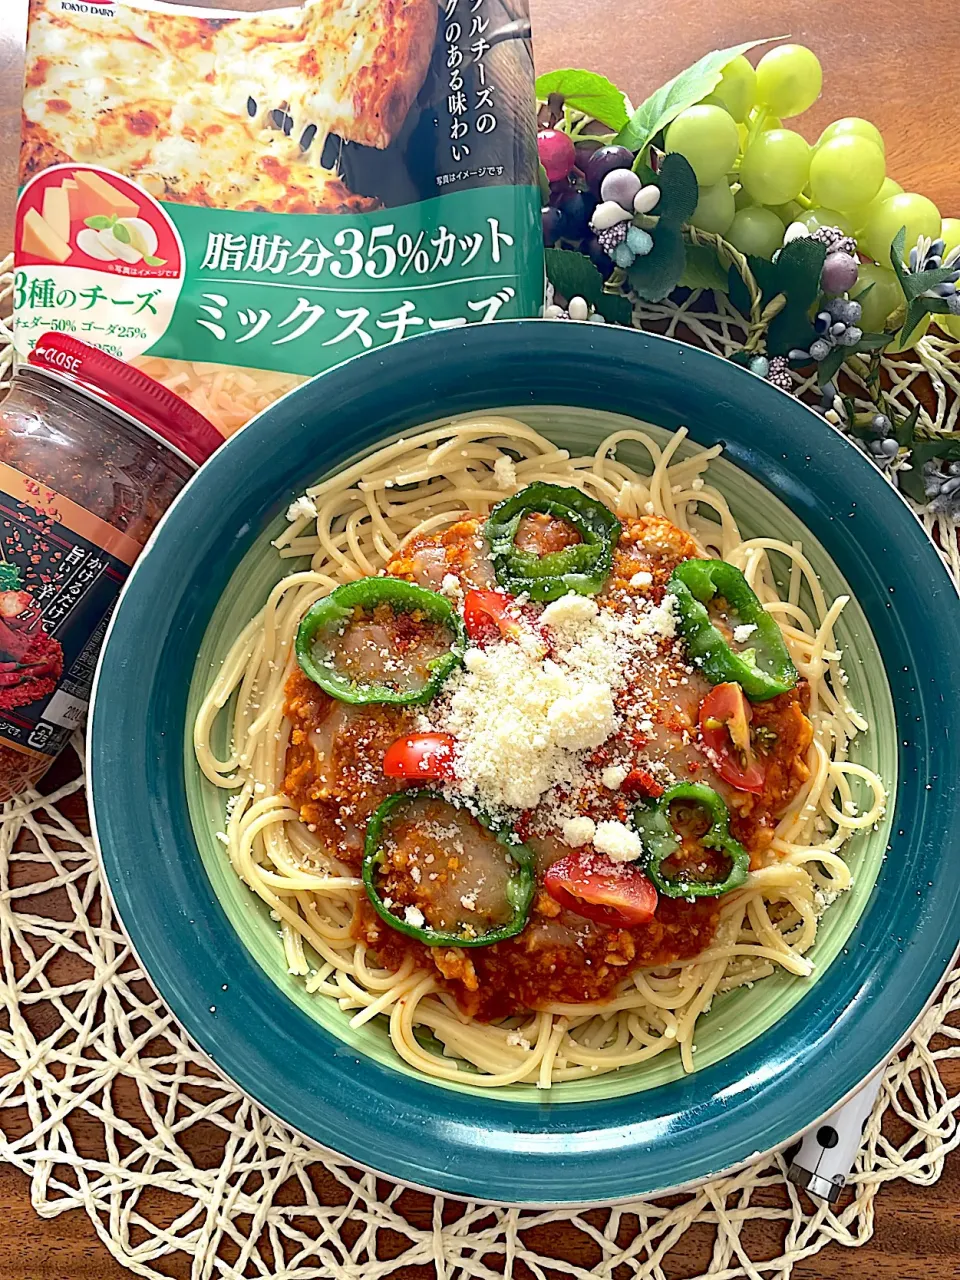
{"x": 609, "y": 214}
{"x": 578, "y": 309}
{"x": 828, "y": 1151}
{"x": 646, "y": 199}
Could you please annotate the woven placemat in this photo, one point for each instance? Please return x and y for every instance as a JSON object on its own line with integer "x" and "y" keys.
{"x": 83, "y": 1031}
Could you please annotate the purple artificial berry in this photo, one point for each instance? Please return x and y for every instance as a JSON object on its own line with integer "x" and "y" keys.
{"x": 599, "y": 257}
{"x": 620, "y": 185}
{"x": 582, "y": 153}
{"x": 603, "y": 161}
{"x": 779, "y": 373}
{"x": 576, "y": 208}
{"x": 819, "y": 349}
{"x": 552, "y": 220}
{"x": 839, "y": 274}
{"x": 610, "y": 237}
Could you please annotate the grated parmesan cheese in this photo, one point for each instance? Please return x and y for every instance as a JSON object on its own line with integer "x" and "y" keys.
{"x": 303, "y": 507}
{"x": 504, "y": 472}
{"x": 522, "y": 721}
{"x": 641, "y": 579}
{"x": 414, "y": 916}
{"x": 450, "y": 586}
{"x": 744, "y": 632}
{"x": 578, "y": 831}
{"x": 612, "y": 778}
{"x": 618, "y": 842}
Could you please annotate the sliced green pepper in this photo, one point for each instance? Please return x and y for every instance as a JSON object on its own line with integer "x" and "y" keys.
{"x": 582, "y": 568}
{"x": 763, "y": 670}
{"x": 660, "y": 841}
{"x": 519, "y": 892}
{"x": 325, "y": 621}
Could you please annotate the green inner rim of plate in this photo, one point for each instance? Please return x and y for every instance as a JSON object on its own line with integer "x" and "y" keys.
{"x": 736, "y": 1017}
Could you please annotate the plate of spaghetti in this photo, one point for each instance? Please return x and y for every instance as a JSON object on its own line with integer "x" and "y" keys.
{"x": 552, "y": 791}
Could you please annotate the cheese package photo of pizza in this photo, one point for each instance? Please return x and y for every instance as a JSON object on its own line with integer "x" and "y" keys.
{"x": 237, "y": 201}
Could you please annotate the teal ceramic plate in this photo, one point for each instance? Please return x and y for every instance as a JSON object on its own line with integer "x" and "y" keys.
{"x": 771, "y": 1059}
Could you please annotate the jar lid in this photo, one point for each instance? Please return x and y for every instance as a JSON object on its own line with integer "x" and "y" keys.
{"x": 139, "y": 398}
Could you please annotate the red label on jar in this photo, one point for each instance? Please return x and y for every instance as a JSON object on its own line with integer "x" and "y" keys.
{"x": 61, "y": 570}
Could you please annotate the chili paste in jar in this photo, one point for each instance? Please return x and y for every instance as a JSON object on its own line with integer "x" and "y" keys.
{"x": 92, "y": 452}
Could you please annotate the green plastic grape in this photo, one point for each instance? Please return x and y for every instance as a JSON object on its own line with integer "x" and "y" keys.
{"x": 858, "y": 218}
{"x": 846, "y": 172}
{"x": 885, "y": 296}
{"x": 737, "y": 88}
{"x": 920, "y": 216}
{"x": 789, "y": 79}
{"x": 715, "y": 208}
{"x": 757, "y": 231}
{"x": 775, "y": 166}
{"x": 950, "y": 234}
{"x": 853, "y": 125}
{"x": 814, "y": 219}
{"x": 707, "y": 137}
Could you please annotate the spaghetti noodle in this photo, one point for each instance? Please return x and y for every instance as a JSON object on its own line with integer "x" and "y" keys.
{"x": 350, "y": 526}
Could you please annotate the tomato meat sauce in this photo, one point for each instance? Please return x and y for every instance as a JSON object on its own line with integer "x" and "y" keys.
{"x": 335, "y": 778}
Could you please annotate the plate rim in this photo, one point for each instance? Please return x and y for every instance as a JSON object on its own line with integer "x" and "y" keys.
{"x": 494, "y": 336}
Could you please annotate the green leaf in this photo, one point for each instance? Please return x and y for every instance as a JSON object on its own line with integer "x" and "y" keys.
{"x": 573, "y": 275}
{"x": 829, "y": 366}
{"x": 654, "y": 276}
{"x": 906, "y": 427}
{"x": 703, "y": 269}
{"x": 798, "y": 269}
{"x": 586, "y": 91}
{"x": 788, "y": 329}
{"x": 121, "y": 232}
{"x": 911, "y": 482}
{"x": 615, "y": 309}
{"x": 796, "y": 274}
{"x": 679, "y": 93}
{"x": 874, "y": 341}
{"x": 10, "y": 577}
{"x": 679, "y": 192}
{"x": 98, "y": 221}
{"x": 151, "y": 261}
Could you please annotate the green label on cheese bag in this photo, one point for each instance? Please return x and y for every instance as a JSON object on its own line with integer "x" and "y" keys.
{"x": 300, "y": 292}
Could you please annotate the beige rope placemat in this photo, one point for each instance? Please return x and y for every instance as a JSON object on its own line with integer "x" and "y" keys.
{"x": 83, "y": 1031}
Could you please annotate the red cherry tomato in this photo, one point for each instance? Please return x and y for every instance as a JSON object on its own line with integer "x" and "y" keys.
{"x": 725, "y": 737}
{"x": 421, "y": 755}
{"x": 611, "y": 893}
{"x": 486, "y": 614}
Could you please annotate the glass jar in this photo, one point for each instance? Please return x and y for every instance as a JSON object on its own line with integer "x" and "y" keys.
{"x": 92, "y": 452}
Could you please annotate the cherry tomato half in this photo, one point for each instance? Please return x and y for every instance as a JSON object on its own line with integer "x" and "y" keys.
{"x": 486, "y": 614}
{"x": 725, "y": 737}
{"x": 608, "y": 892}
{"x": 421, "y": 755}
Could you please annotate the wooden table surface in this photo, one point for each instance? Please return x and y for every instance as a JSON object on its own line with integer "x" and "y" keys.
{"x": 891, "y": 62}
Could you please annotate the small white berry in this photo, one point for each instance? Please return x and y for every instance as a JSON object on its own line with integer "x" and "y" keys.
{"x": 552, "y": 312}
{"x": 608, "y": 214}
{"x": 647, "y": 198}
{"x": 578, "y": 309}
{"x": 795, "y": 231}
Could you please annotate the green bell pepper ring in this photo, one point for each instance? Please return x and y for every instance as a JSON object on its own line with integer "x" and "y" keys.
{"x": 327, "y": 619}
{"x": 660, "y": 842}
{"x": 582, "y": 568}
{"x": 519, "y": 892}
{"x": 765, "y": 669}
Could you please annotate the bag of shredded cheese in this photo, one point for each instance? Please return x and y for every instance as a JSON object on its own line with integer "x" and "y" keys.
{"x": 235, "y": 202}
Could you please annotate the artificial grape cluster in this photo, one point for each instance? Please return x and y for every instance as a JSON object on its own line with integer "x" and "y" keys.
{"x": 761, "y": 184}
